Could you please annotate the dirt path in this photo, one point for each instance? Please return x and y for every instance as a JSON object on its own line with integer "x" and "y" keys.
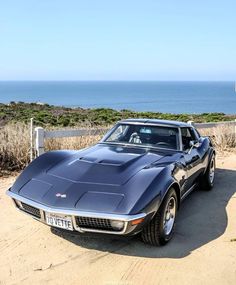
{"x": 200, "y": 253}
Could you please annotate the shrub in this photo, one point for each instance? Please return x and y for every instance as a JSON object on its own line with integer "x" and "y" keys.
{"x": 14, "y": 146}
{"x": 15, "y": 143}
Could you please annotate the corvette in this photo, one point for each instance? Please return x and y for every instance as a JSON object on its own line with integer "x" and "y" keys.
{"x": 133, "y": 181}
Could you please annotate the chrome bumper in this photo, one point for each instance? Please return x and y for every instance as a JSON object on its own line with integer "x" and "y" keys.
{"x": 77, "y": 213}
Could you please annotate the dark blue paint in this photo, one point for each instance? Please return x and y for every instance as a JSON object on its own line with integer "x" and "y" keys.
{"x": 110, "y": 178}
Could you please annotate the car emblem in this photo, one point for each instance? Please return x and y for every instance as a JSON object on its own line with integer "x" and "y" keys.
{"x": 61, "y": 195}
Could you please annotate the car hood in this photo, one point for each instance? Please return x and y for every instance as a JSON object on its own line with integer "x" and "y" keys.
{"x": 100, "y": 179}
{"x": 104, "y": 164}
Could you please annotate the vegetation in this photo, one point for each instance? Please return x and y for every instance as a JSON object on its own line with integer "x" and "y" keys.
{"x": 15, "y": 136}
{"x": 15, "y": 146}
{"x": 47, "y": 116}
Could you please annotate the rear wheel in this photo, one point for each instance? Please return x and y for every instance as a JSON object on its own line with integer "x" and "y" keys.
{"x": 207, "y": 180}
{"x": 161, "y": 228}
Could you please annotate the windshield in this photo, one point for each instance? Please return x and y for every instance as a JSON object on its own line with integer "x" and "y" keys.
{"x": 144, "y": 135}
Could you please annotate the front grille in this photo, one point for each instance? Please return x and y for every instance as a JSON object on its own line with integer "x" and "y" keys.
{"x": 94, "y": 223}
{"x": 31, "y": 210}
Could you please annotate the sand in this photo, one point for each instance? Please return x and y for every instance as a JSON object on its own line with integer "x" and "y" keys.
{"x": 201, "y": 252}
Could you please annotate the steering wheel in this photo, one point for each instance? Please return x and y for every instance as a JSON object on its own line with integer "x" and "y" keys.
{"x": 163, "y": 143}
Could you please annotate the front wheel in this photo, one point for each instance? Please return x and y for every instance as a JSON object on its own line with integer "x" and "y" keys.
{"x": 207, "y": 180}
{"x": 161, "y": 228}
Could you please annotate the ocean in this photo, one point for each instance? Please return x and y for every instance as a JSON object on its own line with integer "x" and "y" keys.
{"x": 170, "y": 97}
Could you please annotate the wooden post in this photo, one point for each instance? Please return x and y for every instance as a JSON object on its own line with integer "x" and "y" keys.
{"x": 235, "y": 130}
{"x": 190, "y": 123}
{"x": 31, "y": 139}
{"x": 39, "y": 142}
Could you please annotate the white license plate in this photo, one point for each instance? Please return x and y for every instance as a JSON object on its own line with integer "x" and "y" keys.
{"x": 63, "y": 222}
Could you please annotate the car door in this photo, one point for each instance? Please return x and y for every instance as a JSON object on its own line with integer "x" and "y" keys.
{"x": 191, "y": 156}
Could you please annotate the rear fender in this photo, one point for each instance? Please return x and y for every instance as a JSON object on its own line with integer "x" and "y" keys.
{"x": 211, "y": 152}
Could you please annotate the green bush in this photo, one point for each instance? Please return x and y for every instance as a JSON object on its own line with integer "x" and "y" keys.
{"x": 47, "y": 115}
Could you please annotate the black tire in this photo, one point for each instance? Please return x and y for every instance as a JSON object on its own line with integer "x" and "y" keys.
{"x": 206, "y": 181}
{"x": 154, "y": 233}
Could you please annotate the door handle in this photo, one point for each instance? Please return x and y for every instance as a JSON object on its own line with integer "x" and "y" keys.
{"x": 195, "y": 158}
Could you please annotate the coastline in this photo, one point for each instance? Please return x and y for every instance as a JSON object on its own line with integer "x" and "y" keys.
{"x": 192, "y": 97}
{"x": 58, "y": 116}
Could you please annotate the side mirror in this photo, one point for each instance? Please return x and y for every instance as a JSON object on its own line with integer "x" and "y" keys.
{"x": 193, "y": 144}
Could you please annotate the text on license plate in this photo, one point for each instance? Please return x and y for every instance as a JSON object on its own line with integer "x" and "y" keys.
{"x": 63, "y": 222}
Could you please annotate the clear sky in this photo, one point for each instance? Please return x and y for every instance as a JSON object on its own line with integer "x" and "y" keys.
{"x": 117, "y": 40}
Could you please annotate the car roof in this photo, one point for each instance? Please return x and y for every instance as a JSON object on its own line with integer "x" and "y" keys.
{"x": 168, "y": 123}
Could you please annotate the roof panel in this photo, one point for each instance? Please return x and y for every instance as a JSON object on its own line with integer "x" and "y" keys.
{"x": 157, "y": 121}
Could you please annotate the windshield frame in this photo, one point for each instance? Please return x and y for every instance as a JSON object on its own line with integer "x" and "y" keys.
{"x": 179, "y": 142}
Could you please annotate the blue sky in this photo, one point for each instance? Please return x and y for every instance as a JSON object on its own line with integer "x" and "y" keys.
{"x": 117, "y": 40}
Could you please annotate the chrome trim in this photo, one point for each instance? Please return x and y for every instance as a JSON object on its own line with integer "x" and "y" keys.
{"x": 148, "y": 123}
{"x": 19, "y": 207}
{"x": 188, "y": 191}
{"x": 170, "y": 213}
{"x": 180, "y": 140}
{"x": 73, "y": 213}
{"x": 179, "y": 143}
{"x": 84, "y": 230}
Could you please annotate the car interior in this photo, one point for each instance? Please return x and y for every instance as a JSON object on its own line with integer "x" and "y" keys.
{"x": 163, "y": 137}
{"x": 187, "y": 136}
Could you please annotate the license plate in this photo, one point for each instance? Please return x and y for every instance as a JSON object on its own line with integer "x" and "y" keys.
{"x": 63, "y": 222}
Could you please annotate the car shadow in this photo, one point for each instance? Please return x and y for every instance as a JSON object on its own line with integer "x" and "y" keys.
{"x": 202, "y": 218}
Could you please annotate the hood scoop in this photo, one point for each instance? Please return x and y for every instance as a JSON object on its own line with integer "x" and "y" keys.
{"x": 102, "y": 161}
{"x": 111, "y": 162}
{"x": 103, "y": 165}
{"x": 88, "y": 159}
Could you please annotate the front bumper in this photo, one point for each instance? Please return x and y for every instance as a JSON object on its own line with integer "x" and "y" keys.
{"x": 38, "y": 210}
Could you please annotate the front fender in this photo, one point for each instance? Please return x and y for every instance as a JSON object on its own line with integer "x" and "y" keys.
{"x": 153, "y": 196}
{"x": 40, "y": 165}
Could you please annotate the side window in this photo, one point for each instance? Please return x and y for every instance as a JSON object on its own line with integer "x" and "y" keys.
{"x": 197, "y": 134}
{"x": 193, "y": 134}
{"x": 188, "y": 135}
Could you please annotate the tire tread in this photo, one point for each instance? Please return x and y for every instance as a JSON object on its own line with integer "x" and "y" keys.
{"x": 152, "y": 233}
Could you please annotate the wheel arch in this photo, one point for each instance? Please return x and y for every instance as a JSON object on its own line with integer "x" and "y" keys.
{"x": 211, "y": 153}
{"x": 176, "y": 187}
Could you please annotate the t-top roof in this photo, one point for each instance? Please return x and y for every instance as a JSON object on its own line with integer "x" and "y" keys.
{"x": 156, "y": 121}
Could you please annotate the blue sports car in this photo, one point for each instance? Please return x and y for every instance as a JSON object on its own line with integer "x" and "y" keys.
{"x": 133, "y": 181}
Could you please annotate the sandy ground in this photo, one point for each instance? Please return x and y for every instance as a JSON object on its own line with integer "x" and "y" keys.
{"x": 200, "y": 253}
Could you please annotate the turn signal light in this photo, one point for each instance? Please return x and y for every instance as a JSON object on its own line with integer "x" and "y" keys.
{"x": 136, "y": 222}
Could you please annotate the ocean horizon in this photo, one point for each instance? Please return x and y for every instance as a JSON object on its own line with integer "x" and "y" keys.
{"x": 157, "y": 96}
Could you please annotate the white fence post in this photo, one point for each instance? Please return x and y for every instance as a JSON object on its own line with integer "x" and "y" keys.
{"x": 31, "y": 139}
{"x": 190, "y": 123}
{"x": 39, "y": 143}
{"x": 235, "y": 130}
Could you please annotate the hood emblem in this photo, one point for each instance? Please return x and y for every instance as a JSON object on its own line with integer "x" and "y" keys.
{"x": 61, "y": 195}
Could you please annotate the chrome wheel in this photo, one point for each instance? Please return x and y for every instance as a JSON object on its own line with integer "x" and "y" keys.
{"x": 169, "y": 216}
{"x": 212, "y": 171}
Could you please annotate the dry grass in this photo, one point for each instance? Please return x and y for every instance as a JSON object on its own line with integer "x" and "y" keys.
{"x": 15, "y": 144}
{"x": 223, "y": 137}
{"x": 71, "y": 143}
